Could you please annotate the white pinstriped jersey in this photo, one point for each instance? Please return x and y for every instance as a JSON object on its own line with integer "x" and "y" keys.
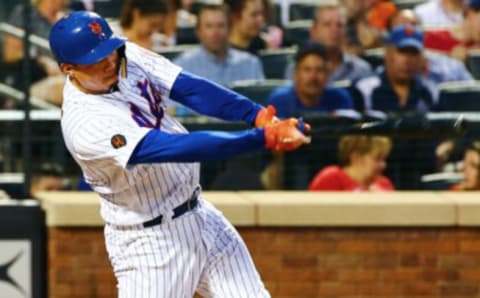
{"x": 129, "y": 194}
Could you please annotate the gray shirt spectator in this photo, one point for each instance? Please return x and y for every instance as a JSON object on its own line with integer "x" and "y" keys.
{"x": 236, "y": 66}
{"x": 329, "y": 29}
{"x": 442, "y": 68}
{"x": 214, "y": 59}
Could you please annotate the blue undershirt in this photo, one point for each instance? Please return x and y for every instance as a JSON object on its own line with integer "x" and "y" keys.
{"x": 210, "y": 99}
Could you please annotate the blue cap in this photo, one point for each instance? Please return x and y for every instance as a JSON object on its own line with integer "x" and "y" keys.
{"x": 406, "y": 36}
{"x": 83, "y": 37}
{"x": 474, "y": 3}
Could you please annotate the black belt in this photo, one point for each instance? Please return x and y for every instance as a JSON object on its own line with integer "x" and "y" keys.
{"x": 188, "y": 205}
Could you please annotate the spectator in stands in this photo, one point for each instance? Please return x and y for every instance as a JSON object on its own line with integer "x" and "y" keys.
{"x": 179, "y": 15}
{"x": 471, "y": 169}
{"x": 46, "y": 76}
{"x": 438, "y": 67}
{"x": 142, "y": 21}
{"x": 440, "y": 12}
{"x": 309, "y": 92}
{"x": 42, "y": 16}
{"x": 362, "y": 160}
{"x": 329, "y": 29}
{"x": 361, "y": 34}
{"x": 457, "y": 40}
{"x": 214, "y": 58}
{"x": 400, "y": 86}
{"x": 378, "y": 13}
{"x": 247, "y": 18}
{"x": 47, "y": 177}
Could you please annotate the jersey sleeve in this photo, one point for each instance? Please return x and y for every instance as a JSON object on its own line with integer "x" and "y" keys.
{"x": 109, "y": 139}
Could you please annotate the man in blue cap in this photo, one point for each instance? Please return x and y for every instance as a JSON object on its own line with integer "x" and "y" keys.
{"x": 399, "y": 87}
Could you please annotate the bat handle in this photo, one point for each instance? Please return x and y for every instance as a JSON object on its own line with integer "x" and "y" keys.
{"x": 301, "y": 125}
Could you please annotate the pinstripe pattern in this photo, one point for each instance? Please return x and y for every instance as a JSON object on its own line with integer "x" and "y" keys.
{"x": 198, "y": 251}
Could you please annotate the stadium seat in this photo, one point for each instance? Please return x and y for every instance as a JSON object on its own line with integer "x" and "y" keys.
{"x": 302, "y": 10}
{"x": 258, "y": 91}
{"x": 297, "y": 32}
{"x": 173, "y": 52}
{"x": 276, "y": 15}
{"x": 459, "y": 96}
{"x": 473, "y": 63}
{"x": 186, "y": 35}
{"x": 408, "y": 4}
{"x": 275, "y": 61}
{"x": 374, "y": 57}
{"x": 12, "y": 184}
{"x": 108, "y": 8}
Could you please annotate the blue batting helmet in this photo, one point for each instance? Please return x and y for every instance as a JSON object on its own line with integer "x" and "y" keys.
{"x": 83, "y": 37}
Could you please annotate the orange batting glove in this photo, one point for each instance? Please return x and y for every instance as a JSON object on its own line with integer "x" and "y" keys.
{"x": 284, "y": 135}
{"x": 266, "y": 116}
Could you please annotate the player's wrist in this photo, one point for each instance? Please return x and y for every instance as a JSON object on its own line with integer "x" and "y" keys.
{"x": 266, "y": 116}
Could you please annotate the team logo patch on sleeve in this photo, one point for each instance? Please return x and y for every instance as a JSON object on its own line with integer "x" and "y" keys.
{"x": 118, "y": 141}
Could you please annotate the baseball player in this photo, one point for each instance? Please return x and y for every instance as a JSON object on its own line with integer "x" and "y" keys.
{"x": 162, "y": 238}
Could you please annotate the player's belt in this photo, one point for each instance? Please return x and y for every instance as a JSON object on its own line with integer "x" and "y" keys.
{"x": 188, "y": 205}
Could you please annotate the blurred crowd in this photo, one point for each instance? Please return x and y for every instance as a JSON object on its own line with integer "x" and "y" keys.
{"x": 374, "y": 57}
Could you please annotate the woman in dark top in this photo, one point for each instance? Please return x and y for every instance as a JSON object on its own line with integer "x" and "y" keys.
{"x": 247, "y": 20}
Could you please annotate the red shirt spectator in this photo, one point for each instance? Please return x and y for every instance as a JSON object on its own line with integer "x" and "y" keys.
{"x": 336, "y": 179}
{"x": 443, "y": 41}
{"x": 362, "y": 160}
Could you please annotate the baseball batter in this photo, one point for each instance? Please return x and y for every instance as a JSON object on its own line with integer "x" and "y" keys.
{"x": 162, "y": 238}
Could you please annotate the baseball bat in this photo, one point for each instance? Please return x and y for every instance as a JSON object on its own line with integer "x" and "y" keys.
{"x": 397, "y": 128}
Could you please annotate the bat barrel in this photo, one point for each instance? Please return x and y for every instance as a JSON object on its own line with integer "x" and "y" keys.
{"x": 408, "y": 127}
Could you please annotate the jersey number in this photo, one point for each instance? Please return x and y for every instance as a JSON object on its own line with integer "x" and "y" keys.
{"x": 154, "y": 102}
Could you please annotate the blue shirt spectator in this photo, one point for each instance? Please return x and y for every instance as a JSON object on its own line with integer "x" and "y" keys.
{"x": 309, "y": 91}
{"x": 235, "y": 66}
{"x": 288, "y": 104}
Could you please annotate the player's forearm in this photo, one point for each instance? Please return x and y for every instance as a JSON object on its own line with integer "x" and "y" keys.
{"x": 208, "y": 98}
{"x": 158, "y": 146}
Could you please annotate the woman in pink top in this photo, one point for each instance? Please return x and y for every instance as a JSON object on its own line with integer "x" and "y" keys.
{"x": 362, "y": 161}
{"x": 457, "y": 40}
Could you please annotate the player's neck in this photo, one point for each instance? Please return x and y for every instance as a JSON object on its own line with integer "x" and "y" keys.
{"x": 86, "y": 90}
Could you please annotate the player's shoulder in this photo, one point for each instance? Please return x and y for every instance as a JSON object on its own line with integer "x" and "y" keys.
{"x": 133, "y": 50}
